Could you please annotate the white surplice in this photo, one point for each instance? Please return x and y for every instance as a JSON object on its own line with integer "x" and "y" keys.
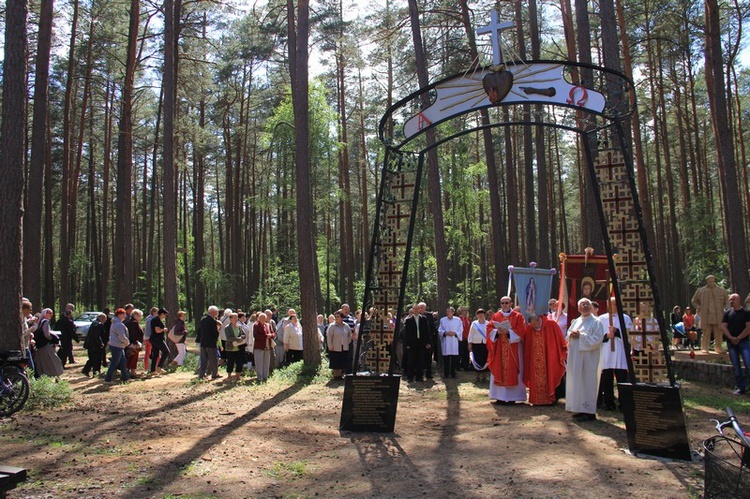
{"x": 582, "y": 379}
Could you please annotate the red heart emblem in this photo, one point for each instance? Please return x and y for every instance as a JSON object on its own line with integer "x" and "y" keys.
{"x": 497, "y": 85}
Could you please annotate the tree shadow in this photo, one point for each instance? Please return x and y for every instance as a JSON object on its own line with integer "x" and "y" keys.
{"x": 381, "y": 455}
{"x": 164, "y": 474}
{"x": 449, "y": 430}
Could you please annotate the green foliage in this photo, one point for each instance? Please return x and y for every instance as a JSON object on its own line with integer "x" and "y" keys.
{"x": 299, "y": 372}
{"x": 190, "y": 365}
{"x": 706, "y": 250}
{"x": 219, "y": 285}
{"x": 279, "y": 287}
{"x": 46, "y": 392}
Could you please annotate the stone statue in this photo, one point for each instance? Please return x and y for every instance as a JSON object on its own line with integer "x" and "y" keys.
{"x": 710, "y": 301}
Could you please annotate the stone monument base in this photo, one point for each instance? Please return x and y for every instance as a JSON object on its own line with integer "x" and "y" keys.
{"x": 370, "y": 403}
{"x": 654, "y": 420}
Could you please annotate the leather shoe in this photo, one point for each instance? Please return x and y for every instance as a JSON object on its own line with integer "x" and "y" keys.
{"x": 585, "y": 417}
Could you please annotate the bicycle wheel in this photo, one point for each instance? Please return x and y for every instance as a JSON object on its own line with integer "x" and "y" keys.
{"x": 14, "y": 390}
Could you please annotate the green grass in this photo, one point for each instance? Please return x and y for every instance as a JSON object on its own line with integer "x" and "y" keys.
{"x": 195, "y": 468}
{"x": 47, "y": 393}
{"x": 716, "y": 401}
{"x": 293, "y": 470}
{"x": 301, "y": 373}
{"x": 105, "y": 450}
{"x": 191, "y": 363}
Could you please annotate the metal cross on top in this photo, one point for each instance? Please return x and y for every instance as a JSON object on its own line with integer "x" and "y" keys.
{"x": 494, "y": 29}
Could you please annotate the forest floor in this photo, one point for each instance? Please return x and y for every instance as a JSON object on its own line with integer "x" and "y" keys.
{"x": 171, "y": 436}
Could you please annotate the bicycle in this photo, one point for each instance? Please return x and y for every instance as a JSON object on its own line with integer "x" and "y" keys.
{"x": 14, "y": 385}
{"x": 727, "y": 461}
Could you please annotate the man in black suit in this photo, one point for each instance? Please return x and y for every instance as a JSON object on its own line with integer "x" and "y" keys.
{"x": 434, "y": 344}
{"x": 417, "y": 343}
{"x": 208, "y": 333}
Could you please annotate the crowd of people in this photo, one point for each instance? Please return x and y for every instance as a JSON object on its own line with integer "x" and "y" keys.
{"x": 234, "y": 339}
{"x": 539, "y": 358}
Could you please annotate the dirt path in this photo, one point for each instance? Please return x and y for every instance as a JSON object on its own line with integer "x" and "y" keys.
{"x": 170, "y": 436}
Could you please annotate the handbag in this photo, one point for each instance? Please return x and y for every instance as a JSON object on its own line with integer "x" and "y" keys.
{"x": 270, "y": 344}
{"x": 133, "y": 349}
{"x": 174, "y": 338}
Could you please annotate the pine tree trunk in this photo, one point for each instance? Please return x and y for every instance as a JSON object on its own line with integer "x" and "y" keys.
{"x": 168, "y": 242}
{"x": 11, "y": 180}
{"x": 433, "y": 169}
{"x": 592, "y": 232}
{"x": 299, "y": 32}
{"x": 65, "y": 201}
{"x": 736, "y": 239}
{"x": 497, "y": 235}
{"x": 123, "y": 247}
{"x": 32, "y": 219}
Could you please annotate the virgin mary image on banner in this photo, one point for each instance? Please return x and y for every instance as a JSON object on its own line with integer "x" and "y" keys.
{"x": 533, "y": 288}
{"x": 530, "y": 296}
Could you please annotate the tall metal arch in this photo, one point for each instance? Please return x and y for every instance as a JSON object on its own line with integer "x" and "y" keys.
{"x": 604, "y": 105}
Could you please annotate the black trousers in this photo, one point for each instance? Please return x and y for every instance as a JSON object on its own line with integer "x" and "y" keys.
{"x": 293, "y": 356}
{"x": 65, "y": 352}
{"x": 428, "y": 361}
{"x": 417, "y": 357}
{"x": 463, "y": 353}
{"x": 94, "y": 364}
{"x": 158, "y": 347}
{"x": 606, "y": 397}
{"x": 450, "y": 362}
{"x": 235, "y": 361}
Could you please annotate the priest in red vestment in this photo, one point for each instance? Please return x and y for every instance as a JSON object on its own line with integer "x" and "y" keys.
{"x": 544, "y": 355}
{"x": 505, "y": 355}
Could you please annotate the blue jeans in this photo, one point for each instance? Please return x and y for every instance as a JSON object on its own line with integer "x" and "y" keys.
{"x": 30, "y": 359}
{"x": 118, "y": 362}
{"x": 735, "y": 351}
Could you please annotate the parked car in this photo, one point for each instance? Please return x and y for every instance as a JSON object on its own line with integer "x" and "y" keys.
{"x": 83, "y": 323}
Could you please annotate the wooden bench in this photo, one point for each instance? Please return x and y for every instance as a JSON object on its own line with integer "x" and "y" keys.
{"x": 10, "y": 477}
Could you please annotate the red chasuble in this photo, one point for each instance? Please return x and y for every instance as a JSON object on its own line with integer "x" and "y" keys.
{"x": 544, "y": 355}
{"x": 502, "y": 356}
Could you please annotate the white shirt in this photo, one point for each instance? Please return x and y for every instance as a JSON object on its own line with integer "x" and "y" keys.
{"x": 562, "y": 320}
{"x": 616, "y": 359}
{"x": 478, "y": 332}
{"x": 293, "y": 336}
{"x": 450, "y": 343}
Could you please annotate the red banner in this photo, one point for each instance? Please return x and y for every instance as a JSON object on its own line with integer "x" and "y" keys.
{"x": 585, "y": 276}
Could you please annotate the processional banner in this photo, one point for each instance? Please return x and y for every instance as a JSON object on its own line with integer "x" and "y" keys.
{"x": 584, "y": 276}
{"x": 533, "y": 288}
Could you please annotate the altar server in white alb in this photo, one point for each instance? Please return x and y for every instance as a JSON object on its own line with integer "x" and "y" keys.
{"x": 614, "y": 363}
{"x": 584, "y": 349}
{"x": 450, "y": 331}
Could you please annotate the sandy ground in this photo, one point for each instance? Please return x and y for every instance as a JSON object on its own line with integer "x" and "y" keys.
{"x": 170, "y": 436}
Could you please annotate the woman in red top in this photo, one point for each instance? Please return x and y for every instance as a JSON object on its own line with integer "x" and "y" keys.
{"x": 688, "y": 322}
{"x": 263, "y": 344}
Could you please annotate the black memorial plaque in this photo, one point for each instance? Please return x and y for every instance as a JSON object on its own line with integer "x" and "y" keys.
{"x": 370, "y": 403}
{"x": 654, "y": 420}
